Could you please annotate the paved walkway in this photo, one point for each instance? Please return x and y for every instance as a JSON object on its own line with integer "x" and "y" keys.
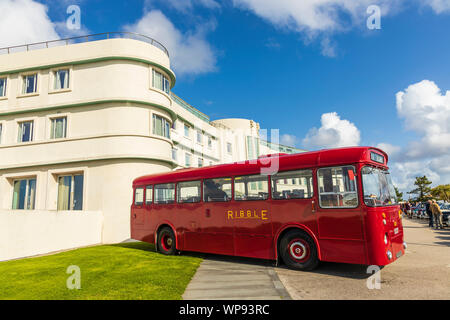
{"x": 230, "y": 278}
{"x": 422, "y": 273}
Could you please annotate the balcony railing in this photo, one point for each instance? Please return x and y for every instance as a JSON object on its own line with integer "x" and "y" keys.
{"x": 82, "y": 39}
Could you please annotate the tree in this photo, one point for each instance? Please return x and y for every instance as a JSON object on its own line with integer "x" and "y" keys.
{"x": 399, "y": 194}
{"x": 441, "y": 192}
{"x": 423, "y": 190}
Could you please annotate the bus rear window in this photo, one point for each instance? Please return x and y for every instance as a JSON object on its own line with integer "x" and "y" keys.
{"x": 139, "y": 196}
{"x": 164, "y": 193}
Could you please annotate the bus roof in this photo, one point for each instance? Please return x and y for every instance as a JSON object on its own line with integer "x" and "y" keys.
{"x": 312, "y": 159}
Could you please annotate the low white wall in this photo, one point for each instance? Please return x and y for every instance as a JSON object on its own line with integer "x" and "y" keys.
{"x": 29, "y": 233}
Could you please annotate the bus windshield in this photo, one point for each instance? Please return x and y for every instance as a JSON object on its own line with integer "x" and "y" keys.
{"x": 378, "y": 187}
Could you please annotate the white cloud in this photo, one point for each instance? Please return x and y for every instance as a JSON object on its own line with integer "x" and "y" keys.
{"x": 288, "y": 140}
{"x": 25, "y": 21}
{"x": 333, "y": 133}
{"x": 439, "y": 6}
{"x": 189, "y": 52}
{"x": 315, "y": 15}
{"x": 425, "y": 110}
{"x": 319, "y": 19}
{"x": 185, "y": 5}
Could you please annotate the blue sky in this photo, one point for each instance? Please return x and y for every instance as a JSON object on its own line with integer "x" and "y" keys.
{"x": 287, "y": 67}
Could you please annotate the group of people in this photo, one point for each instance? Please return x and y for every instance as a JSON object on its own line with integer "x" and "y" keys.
{"x": 432, "y": 209}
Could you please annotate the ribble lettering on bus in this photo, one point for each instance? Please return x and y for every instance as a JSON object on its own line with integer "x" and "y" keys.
{"x": 247, "y": 214}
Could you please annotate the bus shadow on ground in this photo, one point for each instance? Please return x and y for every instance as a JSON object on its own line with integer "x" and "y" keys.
{"x": 352, "y": 271}
{"x": 343, "y": 270}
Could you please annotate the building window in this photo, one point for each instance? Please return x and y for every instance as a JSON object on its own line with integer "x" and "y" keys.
{"x": 3, "y": 87}
{"x": 186, "y": 130}
{"x": 337, "y": 187}
{"x": 229, "y": 148}
{"x": 1, "y": 130}
{"x": 161, "y": 82}
{"x": 25, "y": 131}
{"x": 200, "y": 162}
{"x": 61, "y": 79}
{"x": 24, "y": 194}
{"x": 58, "y": 128}
{"x": 70, "y": 192}
{"x": 199, "y": 136}
{"x": 161, "y": 126}
{"x": 188, "y": 160}
{"x": 209, "y": 142}
{"x": 174, "y": 154}
{"x": 29, "y": 84}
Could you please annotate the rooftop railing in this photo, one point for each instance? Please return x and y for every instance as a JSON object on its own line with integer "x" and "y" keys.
{"x": 82, "y": 39}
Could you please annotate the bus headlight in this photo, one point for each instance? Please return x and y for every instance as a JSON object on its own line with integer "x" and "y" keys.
{"x": 385, "y": 239}
{"x": 404, "y": 245}
{"x": 389, "y": 254}
{"x": 384, "y": 221}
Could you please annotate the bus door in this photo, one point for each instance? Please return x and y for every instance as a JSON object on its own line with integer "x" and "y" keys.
{"x": 188, "y": 213}
{"x": 250, "y": 215}
{"x": 138, "y": 216}
{"x": 216, "y": 232}
{"x": 339, "y": 215}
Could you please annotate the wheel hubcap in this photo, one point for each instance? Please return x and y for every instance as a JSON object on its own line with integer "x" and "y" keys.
{"x": 166, "y": 242}
{"x": 299, "y": 250}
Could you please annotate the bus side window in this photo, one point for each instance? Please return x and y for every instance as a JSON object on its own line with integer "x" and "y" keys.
{"x": 164, "y": 193}
{"x": 292, "y": 185}
{"x": 188, "y": 192}
{"x": 251, "y": 188}
{"x": 148, "y": 194}
{"x": 337, "y": 187}
{"x": 217, "y": 190}
{"x": 139, "y": 196}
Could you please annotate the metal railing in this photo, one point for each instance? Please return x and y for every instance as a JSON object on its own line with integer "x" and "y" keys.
{"x": 82, "y": 39}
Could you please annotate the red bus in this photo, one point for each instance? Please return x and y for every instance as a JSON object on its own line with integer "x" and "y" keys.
{"x": 336, "y": 205}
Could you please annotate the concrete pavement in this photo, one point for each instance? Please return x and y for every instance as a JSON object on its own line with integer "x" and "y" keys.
{"x": 231, "y": 278}
{"x": 422, "y": 273}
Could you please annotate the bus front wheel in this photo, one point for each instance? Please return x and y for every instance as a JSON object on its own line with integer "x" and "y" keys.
{"x": 166, "y": 241}
{"x": 299, "y": 251}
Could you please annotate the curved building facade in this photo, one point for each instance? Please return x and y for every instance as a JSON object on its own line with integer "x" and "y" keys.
{"x": 78, "y": 123}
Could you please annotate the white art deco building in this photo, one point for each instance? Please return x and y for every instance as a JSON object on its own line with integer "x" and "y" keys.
{"x": 79, "y": 120}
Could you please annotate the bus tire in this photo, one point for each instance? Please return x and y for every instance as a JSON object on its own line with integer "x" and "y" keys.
{"x": 166, "y": 241}
{"x": 299, "y": 251}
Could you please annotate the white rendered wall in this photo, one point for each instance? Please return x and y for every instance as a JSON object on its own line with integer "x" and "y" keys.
{"x": 29, "y": 233}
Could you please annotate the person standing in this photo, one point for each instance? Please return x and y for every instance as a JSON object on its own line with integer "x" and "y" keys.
{"x": 408, "y": 209}
{"x": 437, "y": 214}
{"x": 429, "y": 213}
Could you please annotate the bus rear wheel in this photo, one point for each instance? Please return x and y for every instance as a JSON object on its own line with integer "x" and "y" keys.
{"x": 299, "y": 251}
{"x": 166, "y": 241}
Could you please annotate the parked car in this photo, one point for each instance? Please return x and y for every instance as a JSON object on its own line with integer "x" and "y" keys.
{"x": 419, "y": 211}
{"x": 445, "y": 208}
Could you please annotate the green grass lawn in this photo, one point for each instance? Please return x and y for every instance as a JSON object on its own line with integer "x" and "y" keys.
{"x": 122, "y": 271}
